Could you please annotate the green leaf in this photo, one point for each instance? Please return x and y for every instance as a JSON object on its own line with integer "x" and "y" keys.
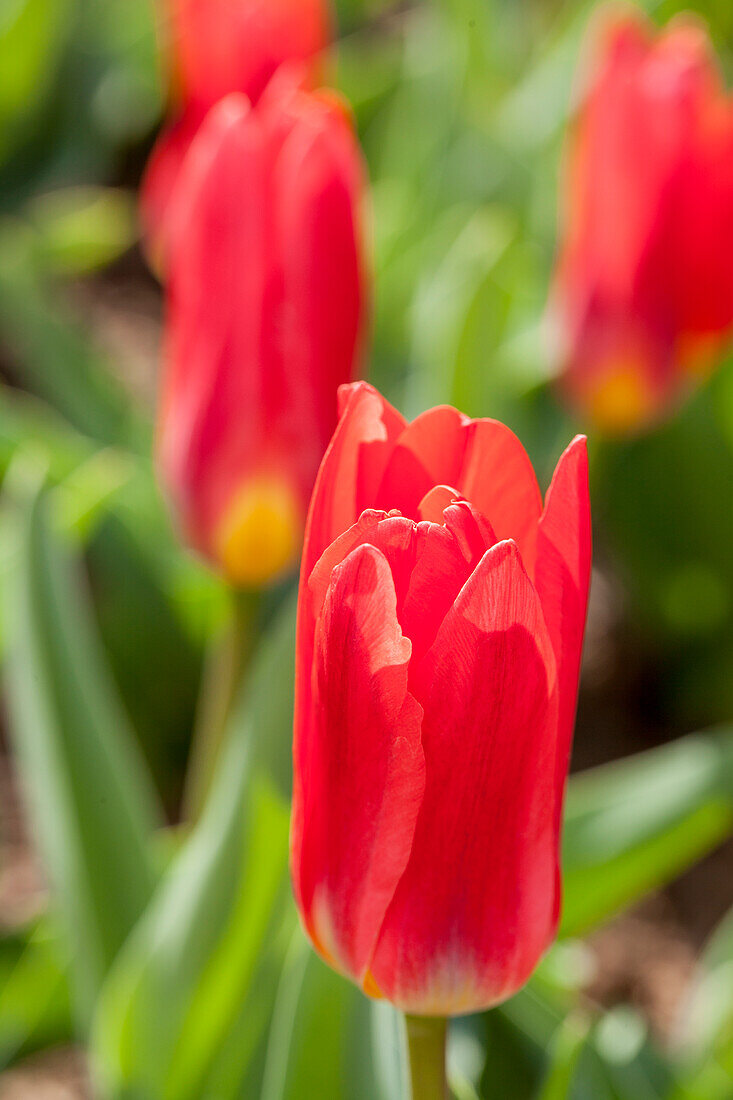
{"x": 318, "y": 1043}
{"x": 53, "y": 356}
{"x": 80, "y": 229}
{"x": 202, "y": 953}
{"x": 567, "y": 1044}
{"x": 35, "y": 1008}
{"x": 26, "y": 423}
{"x": 32, "y": 34}
{"x": 91, "y": 805}
{"x": 633, "y": 825}
{"x": 706, "y": 1025}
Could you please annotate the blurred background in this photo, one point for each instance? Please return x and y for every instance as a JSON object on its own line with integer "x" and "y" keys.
{"x": 461, "y": 107}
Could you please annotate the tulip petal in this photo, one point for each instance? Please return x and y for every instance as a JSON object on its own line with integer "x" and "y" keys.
{"x": 208, "y": 333}
{"x": 483, "y": 459}
{"x": 499, "y": 479}
{"x": 562, "y": 581}
{"x": 353, "y": 825}
{"x": 474, "y": 908}
{"x": 319, "y": 181}
{"x": 429, "y": 562}
{"x": 445, "y": 557}
{"x": 358, "y": 452}
{"x": 221, "y": 47}
{"x": 429, "y": 452}
{"x": 362, "y": 442}
{"x": 434, "y": 503}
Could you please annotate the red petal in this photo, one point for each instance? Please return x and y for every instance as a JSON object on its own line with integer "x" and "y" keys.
{"x": 429, "y": 452}
{"x": 354, "y": 820}
{"x": 356, "y": 456}
{"x": 445, "y": 557}
{"x": 211, "y": 425}
{"x": 474, "y": 909}
{"x": 434, "y": 503}
{"x": 220, "y": 47}
{"x": 499, "y": 479}
{"x": 429, "y": 563}
{"x": 319, "y": 182}
{"x": 483, "y": 459}
{"x": 562, "y": 581}
{"x": 359, "y": 449}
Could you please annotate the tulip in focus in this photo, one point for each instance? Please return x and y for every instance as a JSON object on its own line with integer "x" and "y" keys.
{"x": 440, "y": 625}
{"x": 217, "y": 47}
{"x": 643, "y": 294}
{"x": 264, "y": 311}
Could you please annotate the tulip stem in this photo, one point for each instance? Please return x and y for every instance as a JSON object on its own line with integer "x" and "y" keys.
{"x": 426, "y": 1044}
{"x": 222, "y": 677}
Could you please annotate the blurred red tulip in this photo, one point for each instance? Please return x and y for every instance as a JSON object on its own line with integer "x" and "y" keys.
{"x": 217, "y": 47}
{"x": 643, "y": 295}
{"x": 223, "y": 46}
{"x": 265, "y": 303}
{"x": 440, "y": 627}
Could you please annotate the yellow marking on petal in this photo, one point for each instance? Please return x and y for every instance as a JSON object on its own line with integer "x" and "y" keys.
{"x": 260, "y": 532}
{"x": 370, "y": 987}
{"x": 622, "y": 399}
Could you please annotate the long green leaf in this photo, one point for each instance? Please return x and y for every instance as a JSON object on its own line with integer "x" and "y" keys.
{"x": 91, "y": 804}
{"x": 634, "y": 825}
{"x": 198, "y": 956}
{"x": 35, "y": 1007}
{"x": 319, "y": 1042}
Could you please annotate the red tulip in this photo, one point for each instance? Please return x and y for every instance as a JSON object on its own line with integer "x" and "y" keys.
{"x": 643, "y": 293}
{"x": 265, "y": 301}
{"x": 223, "y": 46}
{"x": 440, "y": 626}
{"x": 217, "y": 47}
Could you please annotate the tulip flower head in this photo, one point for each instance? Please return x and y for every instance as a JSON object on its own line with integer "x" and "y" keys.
{"x": 223, "y": 46}
{"x": 440, "y": 625}
{"x": 264, "y": 311}
{"x": 643, "y": 292}
{"x": 217, "y": 47}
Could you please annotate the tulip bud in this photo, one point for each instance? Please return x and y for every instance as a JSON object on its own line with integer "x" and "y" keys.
{"x": 217, "y": 47}
{"x": 223, "y": 46}
{"x": 643, "y": 292}
{"x": 440, "y": 624}
{"x": 264, "y": 310}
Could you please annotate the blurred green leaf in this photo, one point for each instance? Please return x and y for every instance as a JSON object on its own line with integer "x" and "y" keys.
{"x": 441, "y": 307}
{"x": 52, "y": 355}
{"x": 32, "y": 34}
{"x": 27, "y": 423}
{"x": 35, "y": 1008}
{"x": 267, "y": 699}
{"x": 80, "y": 229}
{"x": 633, "y": 825}
{"x": 564, "y": 1054}
{"x": 90, "y": 801}
{"x": 318, "y": 1041}
{"x": 202, "y": 952}
{"x": 705, "y": 1029}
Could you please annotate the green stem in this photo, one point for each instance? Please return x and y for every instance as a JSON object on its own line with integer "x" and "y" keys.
{"x": 222, "y": 677}
{"x": 426, "y": 1043}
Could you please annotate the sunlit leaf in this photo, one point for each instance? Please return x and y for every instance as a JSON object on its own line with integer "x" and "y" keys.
{"x": 195, "y": 961}
{"x": 632, "y": 826}
{"x": 89, "y": 797}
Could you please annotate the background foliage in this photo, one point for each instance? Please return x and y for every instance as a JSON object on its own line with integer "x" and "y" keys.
{"x": 173, "y": 954}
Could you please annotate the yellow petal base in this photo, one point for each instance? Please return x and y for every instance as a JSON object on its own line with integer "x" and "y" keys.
{"x": 622, "y": 400}
{"x": 259, "y": 535}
